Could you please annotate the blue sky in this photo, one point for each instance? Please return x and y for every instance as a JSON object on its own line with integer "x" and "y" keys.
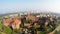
{"x": 18, "y": 5}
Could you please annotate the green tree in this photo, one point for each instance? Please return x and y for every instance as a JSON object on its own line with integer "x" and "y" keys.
{"x": 29, "y": 21}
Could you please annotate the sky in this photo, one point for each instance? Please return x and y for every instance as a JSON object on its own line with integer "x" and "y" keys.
{"x": 7, "y": 6}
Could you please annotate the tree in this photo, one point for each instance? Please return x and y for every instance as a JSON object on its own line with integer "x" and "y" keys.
{"x": 29, "y": 21}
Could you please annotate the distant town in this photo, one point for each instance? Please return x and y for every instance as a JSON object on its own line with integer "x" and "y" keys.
{"x": 38, "y": 14}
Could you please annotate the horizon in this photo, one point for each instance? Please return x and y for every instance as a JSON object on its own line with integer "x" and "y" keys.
{"x": 7, "y": 6}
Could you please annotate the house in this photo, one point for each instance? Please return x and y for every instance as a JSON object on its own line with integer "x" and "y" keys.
{"x": 16, "y": 24}
{"x": 33, "y": 18}
{"x": 7, "y": 21}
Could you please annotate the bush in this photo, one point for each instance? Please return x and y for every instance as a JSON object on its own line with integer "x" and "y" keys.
{"x": 41, "y": 32}
{"x": 18, "y": 30}
{"x": 0, "y": 33}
